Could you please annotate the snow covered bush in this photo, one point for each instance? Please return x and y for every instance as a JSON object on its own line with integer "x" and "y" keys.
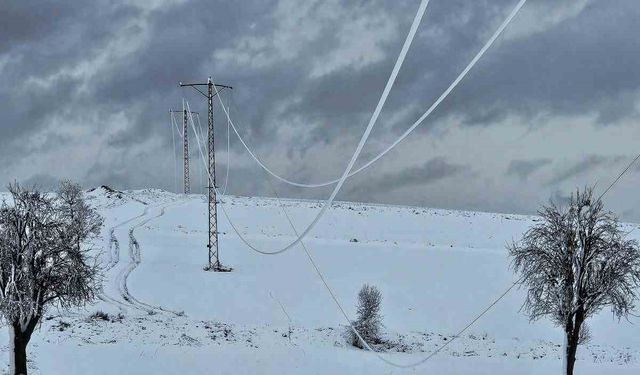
{"x": 99, "y": 315}
{"x": 43, "y": 259}
{"x": 574, "y": 263}
{"x": 369, "y": 321}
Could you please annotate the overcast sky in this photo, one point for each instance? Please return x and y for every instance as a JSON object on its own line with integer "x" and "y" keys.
{"x": 85, "y": 89}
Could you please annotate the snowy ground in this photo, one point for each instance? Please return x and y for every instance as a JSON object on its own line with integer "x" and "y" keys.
{"x": 436, "y": 269}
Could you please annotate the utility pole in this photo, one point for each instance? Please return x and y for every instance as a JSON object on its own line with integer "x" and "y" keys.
{"x": 185, "y": 144}
{"x": 212, "y": 245}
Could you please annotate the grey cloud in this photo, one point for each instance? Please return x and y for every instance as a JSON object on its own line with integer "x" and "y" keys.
{"x": 42, "y": 181}
{"x": 628, "y": 215}
{"x": 433, "y": 170}
{"x": 523, "y": 168}
{"x": 560, "y": 198}
{"x": 586, "y": 164}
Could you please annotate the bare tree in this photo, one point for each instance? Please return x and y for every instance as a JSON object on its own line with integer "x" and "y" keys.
{"x": 576, "y": 262}
{"x": 369, "y": 320}
{"x": 42, "y": 259}
{"x": 82, "y": 222}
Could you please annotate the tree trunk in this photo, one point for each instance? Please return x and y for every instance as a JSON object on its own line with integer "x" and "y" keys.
{"x": 572, "y": 347}
{"x": 19, "y": 355}
{"x": 563, "y": 369}
{"x": 20, "y": 337}
{"x": 573, "y": 339}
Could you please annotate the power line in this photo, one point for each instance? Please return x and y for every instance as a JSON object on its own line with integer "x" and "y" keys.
{"x": 175, "y": 124}
{"x": 226, "y": 178}
{"x": 325, "y": 283}
{"x": 335, "y": 299}
{"x": 226, "y": 214}
{"x": 615, "y": 181}
{"x": 226, "y": 181}
{"x": 202, "y": 169}
{"x": 347, "y": 171}
{"x": 365, "y": 135}
{"x": 418, "y": 122}
{"x": 619, "y": 177}
{"x": 175, "y": 159}
{"x": 346, "y": 174}
{"x": 373, "y": 119}
{"x": 346, "y": 317}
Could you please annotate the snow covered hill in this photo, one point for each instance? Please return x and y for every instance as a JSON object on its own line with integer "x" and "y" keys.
{"x": 161, "y": 313}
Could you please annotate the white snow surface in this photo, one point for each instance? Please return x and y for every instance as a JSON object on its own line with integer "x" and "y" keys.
{"x": 436, "y": 270}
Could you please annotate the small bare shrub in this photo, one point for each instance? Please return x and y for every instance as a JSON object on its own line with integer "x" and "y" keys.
{"x": 369, "y": 321}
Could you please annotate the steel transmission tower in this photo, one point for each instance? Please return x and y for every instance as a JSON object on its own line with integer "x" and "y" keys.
{"x": 212, "y": 245}
{"x": 187, "y": 181}
{"x": 185, "y": 144}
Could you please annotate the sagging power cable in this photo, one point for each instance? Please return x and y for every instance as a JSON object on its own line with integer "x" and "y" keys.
{"x": 333, "y": 295}
{"x": 374, "y": 117}
{"x": 346, "y": 316}
{"x": 417, "y": 123}
{"x": 174, "y": 126}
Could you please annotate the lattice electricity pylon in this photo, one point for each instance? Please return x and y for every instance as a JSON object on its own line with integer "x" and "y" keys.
{"x": 185, "y": 147}
{"x": 212, "y": 245}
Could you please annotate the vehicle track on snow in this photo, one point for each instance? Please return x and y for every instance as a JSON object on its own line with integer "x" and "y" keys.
{"x": 135, "y": 260}
{"x": 114, "y": 244}
{"x": 113, "y": 248}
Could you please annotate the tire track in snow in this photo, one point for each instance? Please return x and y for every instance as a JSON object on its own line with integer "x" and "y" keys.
{"x": 113, "y": 240}
{"x": 135, "y": 259}
{"x": 113, "y": 248}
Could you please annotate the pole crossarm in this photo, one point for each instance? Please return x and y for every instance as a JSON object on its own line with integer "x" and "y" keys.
{"x": 195, "y": 87}
{"x": 181, "y": 111}
{"x": 205, "y": 84}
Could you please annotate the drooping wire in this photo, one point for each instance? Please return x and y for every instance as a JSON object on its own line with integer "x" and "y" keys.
{"x": 404, "y": 135}
{"x": 202, "y": 168}
{"x": 175, "y": 158}
{"x": 346, "y": 316}
{"x": 224, "y": 209}
{"x": 346, "y": 174}
{"x": 226, "y": 178}
{"x": 363, "y": 139}
{"x": 333, "y": 295}
{"x": 175, "y": 124}
{"x": 342, "y": 310}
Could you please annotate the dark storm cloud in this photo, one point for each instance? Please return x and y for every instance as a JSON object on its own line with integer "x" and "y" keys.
{"x": 523, "y": 168}
{"x": 39, "y": 41}
{"x": 25, "y": 21}
{"x": 106, "y": 65}
{"x": 571, "y": 69}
